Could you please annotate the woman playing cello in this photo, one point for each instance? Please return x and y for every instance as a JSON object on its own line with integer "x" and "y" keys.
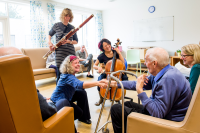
{"x": 105, "y": 46}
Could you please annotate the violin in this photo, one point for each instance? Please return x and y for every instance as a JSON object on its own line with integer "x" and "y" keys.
{"x": 112, "y": 66}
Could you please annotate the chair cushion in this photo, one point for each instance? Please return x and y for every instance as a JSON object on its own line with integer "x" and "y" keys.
{"x": 43, "y": 71}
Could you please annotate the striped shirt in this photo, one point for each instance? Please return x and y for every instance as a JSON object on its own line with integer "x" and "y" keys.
{"x": 67, "y": 49}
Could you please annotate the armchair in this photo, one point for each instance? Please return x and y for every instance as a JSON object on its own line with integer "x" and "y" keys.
{"x": 20, "y": 109}
{"x": 140, "y": 123}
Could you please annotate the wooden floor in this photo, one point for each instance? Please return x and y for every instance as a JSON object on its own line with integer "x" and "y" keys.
{"x": 46, "y": 87}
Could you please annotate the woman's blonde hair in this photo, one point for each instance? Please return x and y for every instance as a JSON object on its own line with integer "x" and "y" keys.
{"x": 66, "y": 12}
{"x": 192, "y": 49}
{"x": 66, "y": 66}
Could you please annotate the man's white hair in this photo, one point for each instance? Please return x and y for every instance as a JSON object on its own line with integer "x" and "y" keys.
{"x": 158, "y": 54}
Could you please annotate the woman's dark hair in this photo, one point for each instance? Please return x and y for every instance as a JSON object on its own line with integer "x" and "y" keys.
{"x": 100, "y": 45}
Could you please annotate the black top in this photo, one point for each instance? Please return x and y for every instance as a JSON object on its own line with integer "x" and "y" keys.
{"x": 104, "y": 59}
{"x": 47, "y": 109}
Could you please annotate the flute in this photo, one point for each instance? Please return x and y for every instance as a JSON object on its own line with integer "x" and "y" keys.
{"x": 72, "y": 32}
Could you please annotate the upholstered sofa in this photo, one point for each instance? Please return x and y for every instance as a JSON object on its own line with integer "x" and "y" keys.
{"x": 39, "y": 64}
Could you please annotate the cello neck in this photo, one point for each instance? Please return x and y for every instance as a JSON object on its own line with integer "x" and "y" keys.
{"x": 114, "y": 56}
{"x": 113, "y": 62}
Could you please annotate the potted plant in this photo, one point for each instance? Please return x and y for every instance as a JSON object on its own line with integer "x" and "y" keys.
{"x": 178, "y": 52}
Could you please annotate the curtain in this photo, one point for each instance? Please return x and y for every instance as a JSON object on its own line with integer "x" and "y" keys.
{"x": 51, "y": 19}
{"x": 99, "y": 27}
{"x": 38, "y": 36}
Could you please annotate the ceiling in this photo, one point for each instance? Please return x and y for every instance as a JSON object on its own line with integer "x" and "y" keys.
{"x": 98, "y": 4}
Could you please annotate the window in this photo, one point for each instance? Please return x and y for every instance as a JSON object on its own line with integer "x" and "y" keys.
{"x": 3, "y": 11}
{"x": 15, "y": 28}
{"x": 19, "y": 25}
{"x": 19, "y": 17}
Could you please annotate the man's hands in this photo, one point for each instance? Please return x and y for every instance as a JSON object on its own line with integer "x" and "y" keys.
{"x": 102, "y": 84}
{"x": 83, "y": 49}
{"x": 141, "y": 81}
{"x": 112, "y": 84}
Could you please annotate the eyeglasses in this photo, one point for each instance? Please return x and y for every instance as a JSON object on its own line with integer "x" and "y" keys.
{"x": 183, "y": 56}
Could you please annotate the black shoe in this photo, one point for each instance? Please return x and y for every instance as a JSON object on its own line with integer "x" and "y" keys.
{"x": 86, "y": 121}
{"x": 90, "y": 76}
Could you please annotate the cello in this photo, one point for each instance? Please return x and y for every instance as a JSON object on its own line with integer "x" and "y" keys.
{"x": 112, "y": 66}
{"x": 112, "y": 93}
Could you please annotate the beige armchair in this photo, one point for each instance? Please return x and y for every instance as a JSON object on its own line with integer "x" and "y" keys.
{"x": 20, "y": 109}
{"x": 139, "y": 123}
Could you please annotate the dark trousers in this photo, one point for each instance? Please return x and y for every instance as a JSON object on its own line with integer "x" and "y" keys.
{"x": 90, "y": 56}
{"x": 58, "y": 74}
{"x": 82, "y": 106}
{"x": 116, "y": 114}
{"x": 54, "y": 67}
{"x": 62, "y": 103}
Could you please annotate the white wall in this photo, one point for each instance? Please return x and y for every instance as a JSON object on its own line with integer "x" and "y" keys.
{"x": 118, "y": 23}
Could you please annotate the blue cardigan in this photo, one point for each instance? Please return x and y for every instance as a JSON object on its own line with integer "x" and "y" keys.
{"x": 171, "y": 94}
{"x": 66, "y": 87}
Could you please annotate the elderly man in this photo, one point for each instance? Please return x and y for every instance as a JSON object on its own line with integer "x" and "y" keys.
{"x": 170, "y": 96}
{"x": 85, "y": 59}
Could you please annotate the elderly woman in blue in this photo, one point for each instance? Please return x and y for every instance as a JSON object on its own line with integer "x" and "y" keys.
{"x": 72, "y": 89}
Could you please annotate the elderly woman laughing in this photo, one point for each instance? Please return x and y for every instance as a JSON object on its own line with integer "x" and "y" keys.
{"x": 72, "y": 89}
